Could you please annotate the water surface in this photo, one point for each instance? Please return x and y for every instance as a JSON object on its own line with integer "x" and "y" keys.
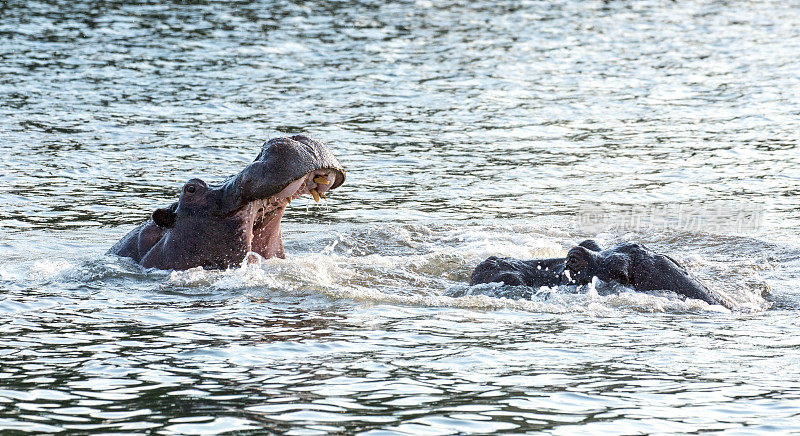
{"x": 468, "y": 129}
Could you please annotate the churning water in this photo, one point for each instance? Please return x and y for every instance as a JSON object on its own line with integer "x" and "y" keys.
{"x": 469, "y": 129}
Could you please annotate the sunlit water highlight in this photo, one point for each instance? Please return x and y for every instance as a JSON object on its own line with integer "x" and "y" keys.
{"x": 468, "y": 130}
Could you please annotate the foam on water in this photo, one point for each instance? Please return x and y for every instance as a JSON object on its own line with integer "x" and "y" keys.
{"x": 429, "y": 265}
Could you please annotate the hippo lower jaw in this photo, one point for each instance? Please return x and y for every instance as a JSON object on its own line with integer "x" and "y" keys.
{"x": 261, "y": 219}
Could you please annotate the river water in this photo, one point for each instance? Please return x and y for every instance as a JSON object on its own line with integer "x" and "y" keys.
{"x": 468, "y": 129}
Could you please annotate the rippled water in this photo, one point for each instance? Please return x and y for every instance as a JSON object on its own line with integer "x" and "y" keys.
{"x": 468, "y": 129}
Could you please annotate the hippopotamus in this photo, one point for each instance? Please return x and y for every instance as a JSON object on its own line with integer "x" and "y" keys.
{"x": 216, "y": 227}
{"x": 629, "y": 264}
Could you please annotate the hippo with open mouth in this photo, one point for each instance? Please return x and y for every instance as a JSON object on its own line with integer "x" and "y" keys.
{"x": 216, "y": 227}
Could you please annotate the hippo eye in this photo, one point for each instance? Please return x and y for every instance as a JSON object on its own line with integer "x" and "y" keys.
{"x": 190, "y": 189}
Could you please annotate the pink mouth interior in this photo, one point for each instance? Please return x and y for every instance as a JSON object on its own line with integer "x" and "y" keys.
{"x": 262, "y": 218}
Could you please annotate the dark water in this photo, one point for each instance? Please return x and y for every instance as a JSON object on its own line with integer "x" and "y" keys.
{"x": 468, "y": 129}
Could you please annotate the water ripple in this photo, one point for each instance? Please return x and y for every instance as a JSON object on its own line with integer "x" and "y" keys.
{"x": 469, "y": 129}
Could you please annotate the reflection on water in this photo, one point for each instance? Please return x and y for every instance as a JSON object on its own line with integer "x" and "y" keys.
{"x": 468, "y": 129}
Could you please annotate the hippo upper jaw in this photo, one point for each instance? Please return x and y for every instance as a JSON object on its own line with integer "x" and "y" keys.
{"x": 277, "y": 170}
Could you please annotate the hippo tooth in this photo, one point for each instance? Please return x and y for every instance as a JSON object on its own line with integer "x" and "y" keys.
{"x": 321, "y": 180}
{"x": 314, "y": 194}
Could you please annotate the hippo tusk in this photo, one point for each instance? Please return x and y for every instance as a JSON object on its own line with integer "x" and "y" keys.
{"x": 314, "y": 194}
{"x": 321, "y": 180}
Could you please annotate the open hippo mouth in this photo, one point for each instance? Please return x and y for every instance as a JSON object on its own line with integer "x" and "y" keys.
{"x": 261, "y": 219}
{"x": 217, "y": 226}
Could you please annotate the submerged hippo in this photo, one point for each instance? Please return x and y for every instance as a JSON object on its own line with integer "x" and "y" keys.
{"x": 630, "y": 264}
{"x": 215, "y": 227}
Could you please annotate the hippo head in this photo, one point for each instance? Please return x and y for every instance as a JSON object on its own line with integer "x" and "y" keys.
{"x": 217, "y": 226}
{"x": 582, "y": 264}
{"x": 587, "y": 260}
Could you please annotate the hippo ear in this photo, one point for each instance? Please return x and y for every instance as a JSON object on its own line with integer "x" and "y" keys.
{"x": 618, "y": 270}
{"x": 591, "y": 244}
{"x": 164, "y": 218}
